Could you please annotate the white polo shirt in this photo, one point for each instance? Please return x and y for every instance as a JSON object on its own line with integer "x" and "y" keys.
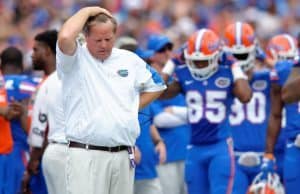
{"x": 48, "y": 112}
{"x": 101, "y": 99}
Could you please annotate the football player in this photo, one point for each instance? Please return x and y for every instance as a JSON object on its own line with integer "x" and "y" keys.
{"x": 209, "y": 90}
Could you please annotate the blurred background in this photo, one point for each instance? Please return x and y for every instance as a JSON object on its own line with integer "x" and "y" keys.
{"x": 21, "y": 20}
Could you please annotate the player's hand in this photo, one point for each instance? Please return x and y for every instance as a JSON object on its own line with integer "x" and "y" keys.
{"x": 19, "y": 107}
{"x": 33, "y": 166}
{"x": 137, "y": 155}
{"x": 25, "y": 183}
{"x": 268, "y": 165}
{"x": 160, "y": 148}
{"x": 11, "y": 112}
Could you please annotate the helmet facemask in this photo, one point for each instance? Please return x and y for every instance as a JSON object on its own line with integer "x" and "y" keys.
{"x": 202, "y": 73}
{"x": 244, "y": 55}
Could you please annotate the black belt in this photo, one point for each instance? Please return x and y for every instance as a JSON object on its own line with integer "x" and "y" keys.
{"x": 56, "y": 142}
{"x": 74, "y": 144}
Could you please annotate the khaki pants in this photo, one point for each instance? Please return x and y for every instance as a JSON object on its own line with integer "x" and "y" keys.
{"x": 147, "y": 186}
{"x": 54, "y": 167}
{"x": 171, "y": 176}
{"x": 98, "y": 172}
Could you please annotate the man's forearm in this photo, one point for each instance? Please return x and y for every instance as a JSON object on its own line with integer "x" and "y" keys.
{"x": 274, "y": 123}
{"x": 148, "y": 97}
{"x": 290, "y": 92}
{"x": 73, "y": 26}
{"x": 272, "y": 133}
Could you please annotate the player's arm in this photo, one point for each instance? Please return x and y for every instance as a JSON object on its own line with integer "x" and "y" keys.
{"x": 73, "y": 26}
{"x": 147, "y": 97}
{"x": 274, "y": 123}
{"x": 172, "y": 90}
{"x": 37, "y": 133}
{"x": 290, "y": 91}
{"x": 9, "y": 112}
{"x": 160, "y": 146}
{"x": 21, "y": 108}
{"x": 241, "y": 87}
{"x": 174, "y": 87}
{"x": 172, "y": 116}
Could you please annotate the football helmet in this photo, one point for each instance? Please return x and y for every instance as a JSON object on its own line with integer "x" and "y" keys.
{"x": 240, "y": 41}
{"x": 271, "y": 185}
{"x": 203, "y": 47}
{"x": 282, "y": 47}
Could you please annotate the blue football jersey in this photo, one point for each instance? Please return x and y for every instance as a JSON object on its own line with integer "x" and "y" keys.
{"x": 19, "y": 87}
{"x": 208, "y": 103}
{"x": 249, "y": 121}
{"x": 291, "y": 124}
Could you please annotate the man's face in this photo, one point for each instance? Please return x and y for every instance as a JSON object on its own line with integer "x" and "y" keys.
{"x": 100, "y": 40}
{"x": 163, "y": 55}
{"x": 38, "y": 55}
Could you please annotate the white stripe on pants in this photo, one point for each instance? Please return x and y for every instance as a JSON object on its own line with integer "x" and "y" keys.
{"x": 98, "y": 172}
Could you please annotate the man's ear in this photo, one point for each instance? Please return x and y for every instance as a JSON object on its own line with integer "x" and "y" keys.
{"x": 48, "y": 51}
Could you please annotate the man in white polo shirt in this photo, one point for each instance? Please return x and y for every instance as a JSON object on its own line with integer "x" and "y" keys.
{"x": 103, "y": 88}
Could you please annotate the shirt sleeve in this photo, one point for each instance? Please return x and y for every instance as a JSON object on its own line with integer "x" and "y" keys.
{"x": 168, "y": 120}
{"x": 65, "y": 63}
{"x": 148, "y": 80}
{"x": 39, "y": 118}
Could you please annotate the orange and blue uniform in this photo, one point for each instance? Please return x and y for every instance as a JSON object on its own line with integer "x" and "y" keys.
{"x": 6, "y": 141}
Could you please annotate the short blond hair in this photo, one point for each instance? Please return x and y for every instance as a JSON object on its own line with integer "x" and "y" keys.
{"x": 100, "y": 18}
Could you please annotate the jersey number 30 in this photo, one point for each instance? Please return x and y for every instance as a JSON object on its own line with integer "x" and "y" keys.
{"x": 254, "y": 111}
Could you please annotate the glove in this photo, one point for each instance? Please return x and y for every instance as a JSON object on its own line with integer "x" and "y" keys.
{"x": 268, "y": 165}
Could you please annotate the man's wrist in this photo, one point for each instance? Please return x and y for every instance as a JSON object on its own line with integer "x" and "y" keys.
{"x": 156, "y": 142}
{"x": 169, "y": 68}
{"x": 237, "y": 72}
{"x": 269, "y": 156}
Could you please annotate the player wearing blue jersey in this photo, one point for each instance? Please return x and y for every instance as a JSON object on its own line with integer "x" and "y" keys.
{"x": 146, "y": 178}
{"x": 175, "y": 135}
{"x": 249, "y": 121}
{"x": 209, "y": 90}
{"x": 19, "y": 89}
{"x": 9, "y": 111}
{"x": 282, "y": 48}
{"x": 289, "y": 92}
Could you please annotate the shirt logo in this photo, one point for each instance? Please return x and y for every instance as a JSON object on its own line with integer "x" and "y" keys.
{"x": 259, "y": 85}
{"x": 123, "y": 72}
{"x": 188, "y": 82}
{"x": 222, "y": 82}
